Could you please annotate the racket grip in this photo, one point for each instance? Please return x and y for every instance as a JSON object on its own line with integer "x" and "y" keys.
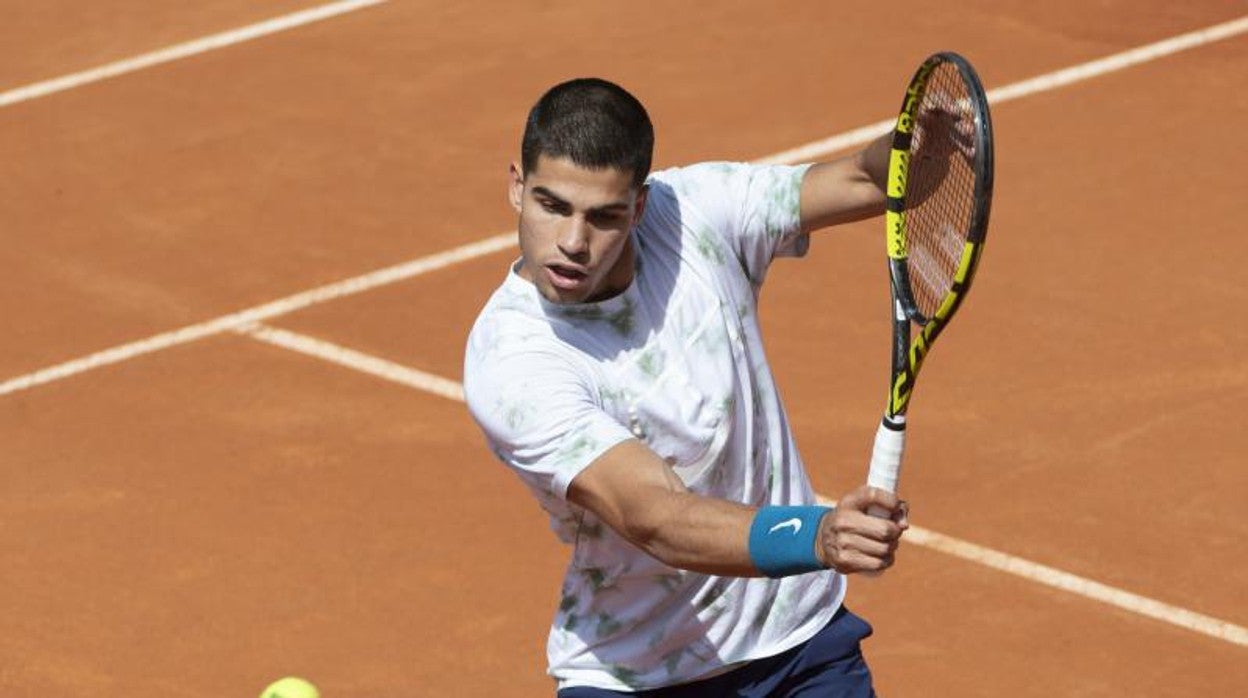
{"x": 890, "y": 444}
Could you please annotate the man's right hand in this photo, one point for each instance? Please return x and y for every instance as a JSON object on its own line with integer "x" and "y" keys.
{"x": 852, "y": 540}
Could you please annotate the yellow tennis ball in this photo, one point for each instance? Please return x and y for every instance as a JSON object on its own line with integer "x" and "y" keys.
{"x": 291, "y": 687}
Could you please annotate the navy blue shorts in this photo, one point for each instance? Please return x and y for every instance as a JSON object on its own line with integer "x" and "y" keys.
{"x": 830, "y": 665}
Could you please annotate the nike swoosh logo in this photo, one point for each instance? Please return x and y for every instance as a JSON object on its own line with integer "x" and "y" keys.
{"x": 795, "y": 524}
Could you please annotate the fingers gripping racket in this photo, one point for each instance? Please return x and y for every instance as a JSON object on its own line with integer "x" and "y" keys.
{"x": 938, "y": 197}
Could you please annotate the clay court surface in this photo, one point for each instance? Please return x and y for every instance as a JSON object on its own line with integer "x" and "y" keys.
{"x": 203, "y": 514}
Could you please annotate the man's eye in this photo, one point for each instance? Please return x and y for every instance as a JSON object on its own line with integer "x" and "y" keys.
{"x": 552, "y": 207}
{"x": 604, "y": 219}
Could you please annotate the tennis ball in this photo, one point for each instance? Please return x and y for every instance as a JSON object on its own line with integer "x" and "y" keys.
{"x": 291, "y": 687}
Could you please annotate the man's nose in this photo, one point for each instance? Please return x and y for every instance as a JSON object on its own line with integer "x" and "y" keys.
{"x": 574, "y": 240}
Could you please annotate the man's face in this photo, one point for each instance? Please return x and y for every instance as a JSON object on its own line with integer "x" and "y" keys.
{"x": 574, "y": 228}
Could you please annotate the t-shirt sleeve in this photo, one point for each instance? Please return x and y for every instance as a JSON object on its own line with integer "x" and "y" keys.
{"x": 540, "y": 416}
{"x": 755, "y": 210}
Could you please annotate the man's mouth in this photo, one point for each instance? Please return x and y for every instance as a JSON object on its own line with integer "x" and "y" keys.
{"x": 567, "y": 278}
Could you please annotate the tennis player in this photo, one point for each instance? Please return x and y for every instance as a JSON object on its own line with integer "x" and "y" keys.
{"x": 619, "y": 371}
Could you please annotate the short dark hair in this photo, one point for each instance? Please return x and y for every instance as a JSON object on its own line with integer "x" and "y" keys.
{"x": 594, "y": 123}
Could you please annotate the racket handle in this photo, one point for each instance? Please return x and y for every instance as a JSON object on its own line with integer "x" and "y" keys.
{"x": 890, "y": 443}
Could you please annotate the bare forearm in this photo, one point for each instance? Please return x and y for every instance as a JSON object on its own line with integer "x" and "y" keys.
{"x": 697, "y": 533}
{"x": 712, "y": 536}
{"x": 873, "y": 161}
{"x": 641, "y": 498}
{"x": 846, "y": 190}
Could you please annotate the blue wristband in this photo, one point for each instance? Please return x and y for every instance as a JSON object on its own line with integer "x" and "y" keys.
{"x": 782, "y": 540}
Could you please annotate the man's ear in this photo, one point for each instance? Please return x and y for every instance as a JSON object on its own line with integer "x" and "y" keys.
{"x": 639, "y": 206}
{"x": 515, "y": 186}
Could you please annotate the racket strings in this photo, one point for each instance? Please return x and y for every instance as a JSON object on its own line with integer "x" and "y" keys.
{"x": 940, "y": 197}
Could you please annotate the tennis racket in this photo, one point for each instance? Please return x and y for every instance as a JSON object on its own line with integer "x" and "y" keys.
{"x": 938, "y": 197}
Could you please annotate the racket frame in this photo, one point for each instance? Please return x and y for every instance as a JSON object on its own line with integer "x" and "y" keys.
{"x": 908, "y": 353}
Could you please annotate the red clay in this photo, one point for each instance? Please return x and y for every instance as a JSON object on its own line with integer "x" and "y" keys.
{"x": 201, "y": 521}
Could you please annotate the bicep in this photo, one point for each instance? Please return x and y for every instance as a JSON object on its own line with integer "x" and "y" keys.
{"x": 628, "y": 487}
{"x": 638, "y": 495}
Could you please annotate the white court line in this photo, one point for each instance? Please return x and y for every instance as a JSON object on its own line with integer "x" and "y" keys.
{"x": 1048, "y": 576}
{"x": 1032, "y": 571}
{"x": 1080, "y": 586}
{"x": 413, "y": 268}
{"x": 355, "y": 360}
{"x": 183, "y": 50}
{"x": 381, "y": 277}
{"x": 1042, "y": 83}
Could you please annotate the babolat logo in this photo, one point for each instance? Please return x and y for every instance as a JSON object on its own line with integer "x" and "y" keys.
{"x": 915, "y": 91}
{"x": 905, "y": 120}
{"x": 897, "y": 235}
{"x": 903, "y": 169}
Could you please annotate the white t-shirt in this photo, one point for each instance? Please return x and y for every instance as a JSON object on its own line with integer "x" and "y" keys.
{"x": 677, "y": 361}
